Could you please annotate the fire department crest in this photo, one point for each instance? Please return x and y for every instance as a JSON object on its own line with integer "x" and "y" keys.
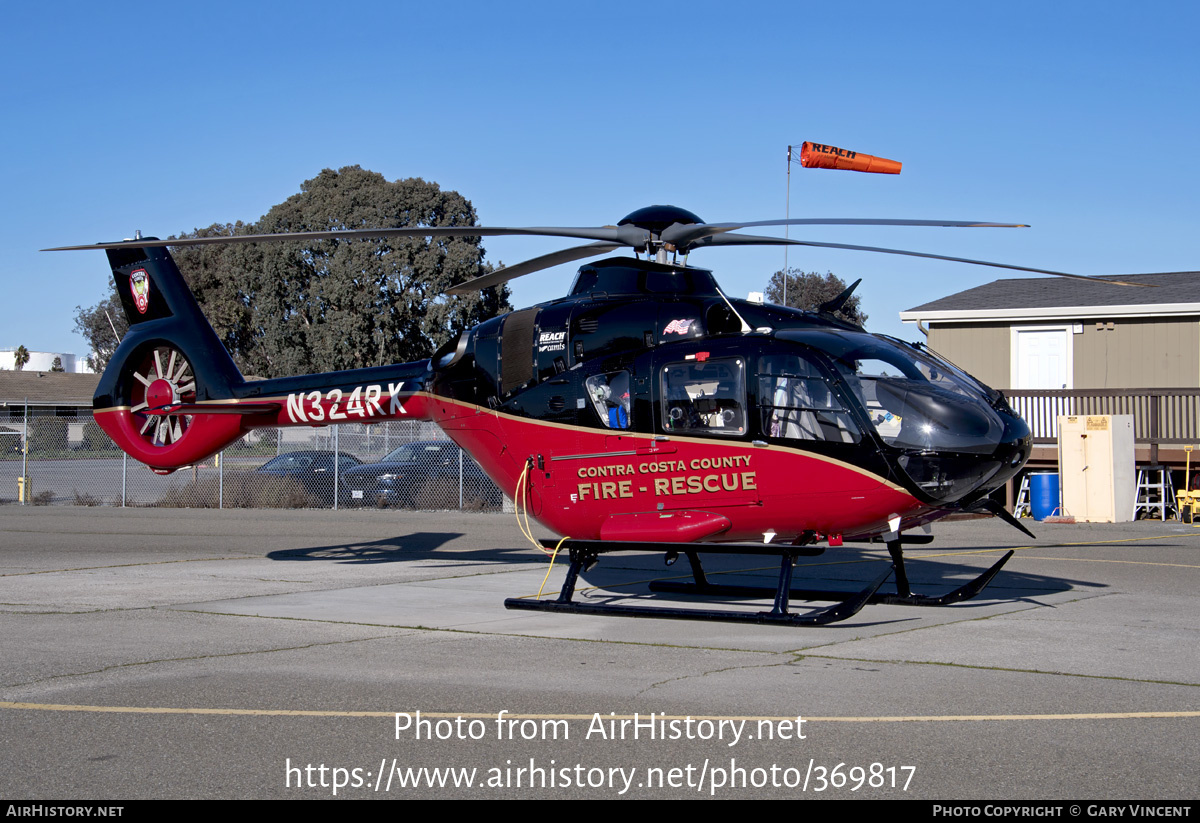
{"x": 139, "y": 286}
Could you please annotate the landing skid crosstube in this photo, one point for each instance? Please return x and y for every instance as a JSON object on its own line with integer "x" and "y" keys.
{"x": 903, "y": 596}
{"x": 584, "y": 554}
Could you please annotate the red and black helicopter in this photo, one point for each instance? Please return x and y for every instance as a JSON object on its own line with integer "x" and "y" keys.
{"x": 644, "y": 410}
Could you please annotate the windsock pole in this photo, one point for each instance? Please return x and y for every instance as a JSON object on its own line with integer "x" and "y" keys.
{"x": 787, "y": 214}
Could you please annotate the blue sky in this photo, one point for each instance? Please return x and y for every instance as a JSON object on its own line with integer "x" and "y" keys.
{"x": 1079, "y": 118}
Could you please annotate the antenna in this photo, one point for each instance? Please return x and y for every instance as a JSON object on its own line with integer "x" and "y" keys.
{"x": 787, "y": 213}
{"x": 112, "y": 326}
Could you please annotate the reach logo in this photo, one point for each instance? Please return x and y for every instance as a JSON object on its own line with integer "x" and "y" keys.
{"x": 552, "y": 341}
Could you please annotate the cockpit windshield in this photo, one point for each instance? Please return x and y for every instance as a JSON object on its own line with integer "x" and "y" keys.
{"x": 914, "y": 401}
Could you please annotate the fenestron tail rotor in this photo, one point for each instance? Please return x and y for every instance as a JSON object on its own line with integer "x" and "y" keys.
{"x": 163, "y": 379}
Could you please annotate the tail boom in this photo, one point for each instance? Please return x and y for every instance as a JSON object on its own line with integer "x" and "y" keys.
{"x": 172, "y": 396}
{"x": 174, "y": 434}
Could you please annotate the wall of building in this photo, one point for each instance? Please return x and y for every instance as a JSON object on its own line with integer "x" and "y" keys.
{"x": 43, "y": 361}
{"x": 1135, "y": 353}
{"x": 1157, "y": 352}
{"x": 981, "y": 350}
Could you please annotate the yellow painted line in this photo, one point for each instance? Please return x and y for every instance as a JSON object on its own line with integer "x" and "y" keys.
{"x": 66, "y": 707}
{"x": 1123, "y": 540}
{"x": 1099, "y": 560}
{"x": 129, "y": 565}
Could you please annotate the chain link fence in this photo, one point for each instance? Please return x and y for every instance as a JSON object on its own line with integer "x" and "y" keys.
{"x": 62, "y": 457}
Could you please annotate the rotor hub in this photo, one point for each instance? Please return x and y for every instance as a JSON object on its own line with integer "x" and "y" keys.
{"x": 160, "y": 392}
{"x": 656, "y": 218}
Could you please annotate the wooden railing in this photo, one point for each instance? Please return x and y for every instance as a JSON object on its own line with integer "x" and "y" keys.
{"x": 1160, "y": 416}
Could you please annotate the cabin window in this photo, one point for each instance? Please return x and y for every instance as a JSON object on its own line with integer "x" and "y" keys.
{"x": 705, "y": 397}
{"x": 609, "y": 394}
{"x": 797, "y": 402}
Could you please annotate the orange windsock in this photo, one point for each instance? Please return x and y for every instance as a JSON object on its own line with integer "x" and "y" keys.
{"x": 818, "y": 156}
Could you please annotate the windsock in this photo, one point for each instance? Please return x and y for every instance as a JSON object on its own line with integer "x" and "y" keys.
{"x": 818, "y": 156}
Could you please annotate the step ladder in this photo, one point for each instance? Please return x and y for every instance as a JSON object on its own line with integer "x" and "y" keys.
{"x": 1021, "y": 508}
{"x": 1155, "y": 492}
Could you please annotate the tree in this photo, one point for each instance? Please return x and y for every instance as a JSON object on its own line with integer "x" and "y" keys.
{"x": 220, "y": 278}
{"x": 342, "y": 304}
{"x": 56, "y": 365}
{"x": 303, "y": 307}
{"x": 20, "y": 357}
{"x": 96, "y": 325}
{"x": 808, "y": 290}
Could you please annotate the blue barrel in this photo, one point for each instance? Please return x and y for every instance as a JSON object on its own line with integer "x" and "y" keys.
{"x": 1043, "y": 494}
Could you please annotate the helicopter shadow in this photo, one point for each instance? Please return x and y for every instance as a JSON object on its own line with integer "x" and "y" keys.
{"x": 403, "y": 548}
{"x": 845, "y": 570}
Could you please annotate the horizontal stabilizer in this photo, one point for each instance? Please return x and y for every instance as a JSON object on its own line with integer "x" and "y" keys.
{"x": 214, "y": 408}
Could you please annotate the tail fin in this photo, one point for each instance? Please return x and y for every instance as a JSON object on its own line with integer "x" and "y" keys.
{"x": 158, "y": 304}
{"x": 172, "y": 396}
{"x": 170, "y": 359}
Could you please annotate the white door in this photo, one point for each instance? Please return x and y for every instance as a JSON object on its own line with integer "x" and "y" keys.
{"x": 1043, "y": 359}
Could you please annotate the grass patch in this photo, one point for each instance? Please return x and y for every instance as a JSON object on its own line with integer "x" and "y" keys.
{"x": 243, "y": 490}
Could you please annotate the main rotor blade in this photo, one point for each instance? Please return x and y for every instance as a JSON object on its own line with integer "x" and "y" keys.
{"x": 681, "y": 235}
{"x": 623, "y": 235}
{"x": 507, "y": 273}
{"x": 751, "y": 240}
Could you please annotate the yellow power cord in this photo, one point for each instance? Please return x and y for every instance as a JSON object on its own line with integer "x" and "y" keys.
{"x": 527, "y": 530}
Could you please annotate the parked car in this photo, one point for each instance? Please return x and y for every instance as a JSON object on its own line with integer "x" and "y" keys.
{"x": 421, "y": 475}
{"x": 313, "y": 470}
{"x": 10, "y": 441}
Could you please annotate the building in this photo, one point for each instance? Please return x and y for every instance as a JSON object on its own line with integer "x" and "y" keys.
{"x": 1060, "y": 333}
{"x": 1060, "y": 346}
{"x": 43, "y": 395}
{"x": 43, "y": 361}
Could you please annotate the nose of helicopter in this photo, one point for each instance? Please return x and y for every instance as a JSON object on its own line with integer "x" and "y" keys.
{"x": 1016, "y": 445}
{"x": 954, "y": 468}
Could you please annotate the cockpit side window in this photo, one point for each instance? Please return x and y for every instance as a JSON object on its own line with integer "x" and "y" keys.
{"x": 705, "y": 397}
{"x": 863, "y": 375}
{"x": 609, "y": 394}
{"x": 797, "y": 402}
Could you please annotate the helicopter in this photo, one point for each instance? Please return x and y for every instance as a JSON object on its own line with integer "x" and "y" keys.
{"x": 644, "y": 410}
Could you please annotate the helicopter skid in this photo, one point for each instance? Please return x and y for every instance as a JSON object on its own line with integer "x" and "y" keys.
{"x": 901, "y": 597}
{"x": 584, "y": 554}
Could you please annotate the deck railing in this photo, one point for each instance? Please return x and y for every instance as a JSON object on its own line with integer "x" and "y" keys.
{"x": 1160, "y": 416}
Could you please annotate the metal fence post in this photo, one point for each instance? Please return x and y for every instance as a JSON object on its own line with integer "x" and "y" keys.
{"x": 124, "y": 467}
{"x": 1154, "y": 429}
{"x": 220, "y": 480}
{"x": 25, "y": 457}
{"x": 336, "y": 466}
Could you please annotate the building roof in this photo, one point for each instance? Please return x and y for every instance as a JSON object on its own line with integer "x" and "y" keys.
{"x": 47, "y": 388}
{"x": 1173, "y": 293}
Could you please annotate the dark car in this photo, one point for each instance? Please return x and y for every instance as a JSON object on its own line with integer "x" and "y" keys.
{"x": 10, "y": 441}
{"x": 421, "y": 475}
{"x": 312, "y": 470}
